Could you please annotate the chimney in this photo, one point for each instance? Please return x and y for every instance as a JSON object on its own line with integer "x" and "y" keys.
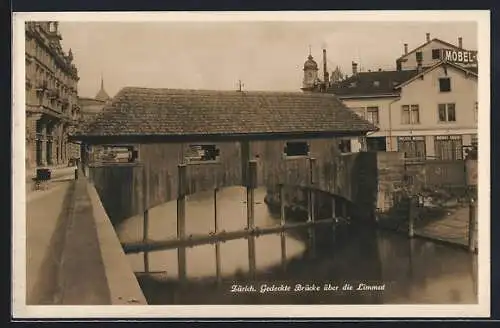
{"x": 354, "y": 68}
{"x": 406, "y": 48}
{"x": 325, "y": 71}
{"x": 428, "y": 36}
{"x": 460, "y": 42}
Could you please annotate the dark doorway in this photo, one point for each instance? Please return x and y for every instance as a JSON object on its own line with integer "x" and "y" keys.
{"x": 375, "y": 144}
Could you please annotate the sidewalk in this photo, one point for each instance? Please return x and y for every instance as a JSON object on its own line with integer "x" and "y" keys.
{"x": 45, "y": 213}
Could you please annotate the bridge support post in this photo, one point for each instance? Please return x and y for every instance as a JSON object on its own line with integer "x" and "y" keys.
{"x": 251, "y": 184}
{"x": 345, "y": 213}
{"x": 218, "y": 273}
{"x": 181, "y": 218}
{"x": 312, "y": 201}
{"x": 251, "y": 256}
{"x": 145, "y": 222}
{"x": 282, "y": 224}
{"x": 411, "y": 216}
{"x": 283, "y": 250}
{"x": 282, "y": 205}
{"x": 334, "y": 215}
{"x": 472, "y": 226}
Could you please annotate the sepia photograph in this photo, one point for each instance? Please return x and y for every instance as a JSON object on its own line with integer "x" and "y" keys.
{"x": 258, "y": 164}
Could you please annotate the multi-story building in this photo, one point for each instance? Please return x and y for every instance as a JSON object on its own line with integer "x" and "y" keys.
{"x": 52, "y": 109}
{"x": 426, "y": 108}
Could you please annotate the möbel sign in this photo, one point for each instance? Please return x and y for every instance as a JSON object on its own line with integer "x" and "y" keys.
{"x": 459, "y": 56}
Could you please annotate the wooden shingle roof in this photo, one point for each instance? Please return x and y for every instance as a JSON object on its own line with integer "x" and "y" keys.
{"x": 170, "y": 112}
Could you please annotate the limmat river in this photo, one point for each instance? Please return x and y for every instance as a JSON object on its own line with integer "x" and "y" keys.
{"x": 321, "y": 266}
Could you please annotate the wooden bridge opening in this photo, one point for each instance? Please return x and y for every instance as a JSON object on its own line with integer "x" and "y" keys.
{"x": 250, "y": 232}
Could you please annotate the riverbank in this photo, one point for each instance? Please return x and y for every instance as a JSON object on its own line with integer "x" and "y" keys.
{"x": 444, "y": 225}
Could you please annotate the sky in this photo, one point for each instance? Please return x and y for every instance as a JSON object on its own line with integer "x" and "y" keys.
{"x": 216, "y": 55}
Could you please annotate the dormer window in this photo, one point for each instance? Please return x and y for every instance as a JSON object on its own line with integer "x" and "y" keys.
{"x": 352, "y": 84}
{"x": 444, "y": 84}
{"x": 419, "y": 56}
{"x": 376, "y": 83}
{"x": 435, "y": 54}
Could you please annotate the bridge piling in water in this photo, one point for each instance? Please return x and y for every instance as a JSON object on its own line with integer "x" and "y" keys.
{"x": 334, "y": 215}
{"x": 218, "y": 272}
{"x": 411, "y": 216}
{"x": 311, "y": 199}
{"x": 282, "y": 205}
{"x": 472, "y": 226}
{"x": 145, "y": 227}
{"x": 251, "y": 184}
{"x": 181, "y": 219}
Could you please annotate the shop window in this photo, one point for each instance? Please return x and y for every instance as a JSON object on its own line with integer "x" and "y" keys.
{"x": 448, "y": 147}
{"x": 413, "y": 147}
{"x": 376, "y": 144}
{"x": 473, "y": 141}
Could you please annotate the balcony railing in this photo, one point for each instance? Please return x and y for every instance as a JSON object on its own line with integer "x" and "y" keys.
{"x": 41, "y": 86}
{"x": 53, "y": 93}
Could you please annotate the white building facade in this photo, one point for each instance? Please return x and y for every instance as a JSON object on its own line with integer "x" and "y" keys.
{"x": 429, "y": 111}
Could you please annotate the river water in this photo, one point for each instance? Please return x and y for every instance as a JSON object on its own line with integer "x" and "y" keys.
{"x": 354, "y": 265}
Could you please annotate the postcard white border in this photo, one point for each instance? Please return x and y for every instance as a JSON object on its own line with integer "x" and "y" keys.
{"x": 20, "y": 310}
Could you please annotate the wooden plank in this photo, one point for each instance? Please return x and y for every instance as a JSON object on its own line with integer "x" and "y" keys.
{"x": 194, "y": 240}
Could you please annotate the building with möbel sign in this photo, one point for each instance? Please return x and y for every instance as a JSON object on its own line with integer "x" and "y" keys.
{"x": 459, "y": 56}
{"x": 427, "y": 107}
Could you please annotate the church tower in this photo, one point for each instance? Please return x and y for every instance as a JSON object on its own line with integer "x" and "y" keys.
{"x": 310, "y": 74}
{"x": 102, "y": 94}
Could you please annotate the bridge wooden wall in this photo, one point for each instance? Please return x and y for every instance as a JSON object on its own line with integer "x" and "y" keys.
{"x": 351, "y": 176}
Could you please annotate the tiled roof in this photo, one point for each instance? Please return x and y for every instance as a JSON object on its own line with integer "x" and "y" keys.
{"x": 380, "y": 83}
{"x": 371, "y": 83}
{"x": 169, "y": 112}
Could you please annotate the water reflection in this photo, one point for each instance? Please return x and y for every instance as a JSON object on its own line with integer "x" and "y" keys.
{"x": 201, "y": 260}
{"x": 412, "y": 271}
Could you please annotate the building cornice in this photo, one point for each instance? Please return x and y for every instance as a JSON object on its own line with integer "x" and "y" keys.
{"x": 56, "y": 51}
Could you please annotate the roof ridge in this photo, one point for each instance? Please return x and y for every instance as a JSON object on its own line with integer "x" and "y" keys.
{"x": 224, "y": 91}
{"x": 428, "y": 42}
